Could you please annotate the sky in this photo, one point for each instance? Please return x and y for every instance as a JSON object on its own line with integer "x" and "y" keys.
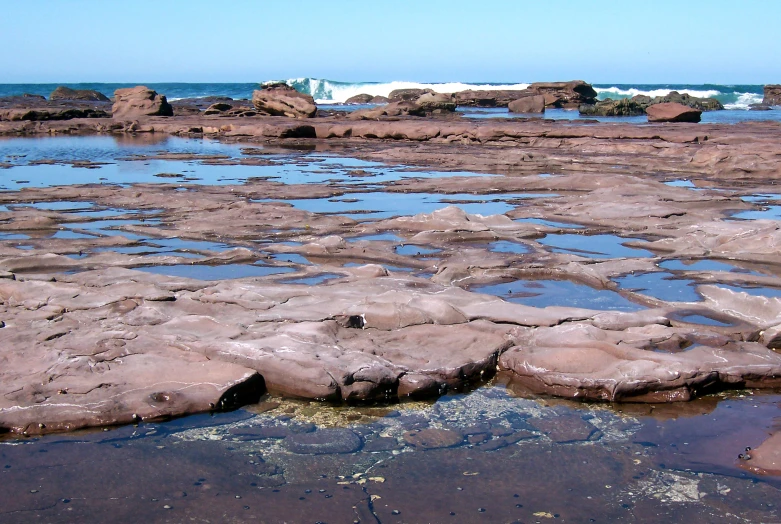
{"x": 659, "y": 41}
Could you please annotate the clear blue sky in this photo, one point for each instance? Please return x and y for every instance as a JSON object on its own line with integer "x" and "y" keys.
{"x": 682, "y": 41}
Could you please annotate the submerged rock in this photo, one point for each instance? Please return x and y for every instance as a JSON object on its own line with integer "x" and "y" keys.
{"x": 283, "y": 100}
{"x": 139, "y": 101}
{"x": 324, "y": 441}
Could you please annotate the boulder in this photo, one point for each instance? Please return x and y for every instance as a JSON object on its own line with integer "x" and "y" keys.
{"x": 379, "y": 99}
{"x": 435, "y": 103}
{"x": 528, "y": 104}
{"x": 363, "y": 98}
{"x": 772, "y": 95}
{"x": 565, "y": 94}
{"x": 759, "y": 107}
{"x": 610, "y": 107}
{"x": 283, "y": 100}
{"x": 703, "y": 104}
{"x": 400, "y": 95}
{"x": 671, "y": 112}
{"x": 66, "y": 93}
{"x": 139, "y": 101}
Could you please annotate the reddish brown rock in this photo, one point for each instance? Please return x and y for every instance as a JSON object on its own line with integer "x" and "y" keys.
{"x": 139, "y": 101}
{"x": 569, "y": 95}
{"x": 359, "y": 99}
{"x": 672, "y": 112}
{"x": 407, "y": 95}
{"x": 66, "y": 93}
{"x": 528, "y": 104}
{"x": 283, "y": 100}
{"x": 488, "y": 98}
{"x": 765, "y": 459}
{"x": 772, "y": 95}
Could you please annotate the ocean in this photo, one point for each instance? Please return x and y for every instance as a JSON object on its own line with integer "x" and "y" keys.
{"x": 734, "y": 97}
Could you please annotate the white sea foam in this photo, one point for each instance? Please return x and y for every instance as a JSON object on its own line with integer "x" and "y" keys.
{"x": 744, "y": 101}
{"x": 605, "y": 92}
{"x": 329, "y": 92}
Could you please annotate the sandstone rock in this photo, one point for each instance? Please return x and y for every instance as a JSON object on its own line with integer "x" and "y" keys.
{"x": 435, "y": 102}
{"x": 379, "y": 99}
{"x": 484, "y": 98}
{"x": 217, "y": 108}
{"x": 139, "y": 101}
{"x": 359, "y": 99}
{"x": 283, "y": 100}
{"x": 766, "y": 458}
{"x": 671, "y": 112}
{"x": 528, "y": 104}
{"x": 567, "y": 94}
{"x": 407, "y": 95}
{"x": 772, "y": 95}
{"x": 66, "y": 93}
{"x": 674, "y": 97}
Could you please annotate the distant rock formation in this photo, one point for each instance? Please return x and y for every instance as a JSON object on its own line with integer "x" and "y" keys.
{"x": 772, "y": 95}
{"x": 639, "y": 104}
{"x": 66, "y": 93}
{"x": 134, "y": 102}
{"x": 282, "y": 100}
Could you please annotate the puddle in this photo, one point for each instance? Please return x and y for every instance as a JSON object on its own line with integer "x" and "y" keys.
{"x": 222, "y": 272}
{"x": 413, "y": 250}
{"x": 761, "y": 197}
{"x": 771, "y": 213}
{"x": 63, "y": 205}
{"x": 544, "y": 293}
{"x": 503, "y": 246}
{"x": 754, "y": 290}
{"x": 594, "y": 246}
{"x": 701, "y": 319}
{"x": 662, "y": 285}
{"x": 312, "y": 280}
{"x": 706, "y": 265}
{"x": 13, "y": 236}
{"x": 549, "y": 223}
{"x": 382, "y": 237}
{"x": 292, "y": 258}
{"x": 681, "y": 183}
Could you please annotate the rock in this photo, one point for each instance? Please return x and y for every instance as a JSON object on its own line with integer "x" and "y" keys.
{"x": 435, "y": 103}
{"x": 672, "y": 112}
{"x": 219, "y": 107}
{"x": 66, "y": 93}
{"x": 359, "y": 99}
{"x": 381, "y": 444}
{"x": 766, "y": 458}
{"x": 772, "y": 95}
{"x": 324, "y": 441}
{"x": 379, "y": 99}
{"x": 139, "y": 101}
{"x": 484, "y": 98}
{"x": 407, "y": 95}
{"x": 674, "y": 97}
{"x": 433, "y": 438}
{"x": 566, "y": 428}
{"x": 283, "y": 100}
{"x": 528, "y": 104}
{"x": 609, "y": 107}
{"x": 565, "y": 94}
{"x": 759, "y": 107}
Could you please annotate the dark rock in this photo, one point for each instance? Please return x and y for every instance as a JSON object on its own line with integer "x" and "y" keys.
{"x": 255, "y": 433}
{"x": 610, "y": 107}
{"x": 482, "y": 98}
{"x": 139, "y": 101}
{"x": 528, "y": 104}
{"x": 379, "y": 99}
{"x": 671, "y": 112}
{"x": 325, "y": 441}
{"x": 66, "y": 93}
{"x": 432, "y": 438}
{"x": 382, "y": 444}
{"x": 674, "y": 97}
{"x": 359, "y": 99}
{"x": 38, "y": 97}
{"x": 566, "y": 428}
{"x": 283, "y": 100}
{"x": 503, "y": 442}
{"x": 759, "y": 107}
{"x": 772, "y": 95}
{"x": 407, "y": 95}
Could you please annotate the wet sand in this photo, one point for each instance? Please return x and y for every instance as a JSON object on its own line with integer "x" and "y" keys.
{"x": 384, "y": 262}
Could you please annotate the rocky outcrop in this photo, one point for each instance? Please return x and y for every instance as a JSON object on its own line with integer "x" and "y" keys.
{"x": 528, "y": 104}
{"x": 359, "y": 99}
{"x": 66, "y": 93}
{"x": 435, "y": 103}
{"x": 772, "y": 95}
{"x": 139, "y": 101}
{"x": 483, "y": 98}
{"x": 610, "y": 107}
{"x": 568, "y": 95}
{"x": 283, "y": 100}
{"x": 407, "y": 95}
{"x": 670, "y": 112}
{"x": 674, "y": 97}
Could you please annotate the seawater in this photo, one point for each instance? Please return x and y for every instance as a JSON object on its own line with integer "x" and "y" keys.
{"x": 737, "y": 96}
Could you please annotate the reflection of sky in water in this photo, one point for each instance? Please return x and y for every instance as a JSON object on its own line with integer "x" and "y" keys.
{"x": 771, "y": 213}
{"x": 662, "y": 285}
{"x": 593, "y": 246}
{"x": 223, "y": 272}
{"x": 705, "y": 265}
{"x": 549, "y": 223}
{"x": 726, "y": 116}
{"x": 385, "y": 205}
{"x": 544, "y": 293}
